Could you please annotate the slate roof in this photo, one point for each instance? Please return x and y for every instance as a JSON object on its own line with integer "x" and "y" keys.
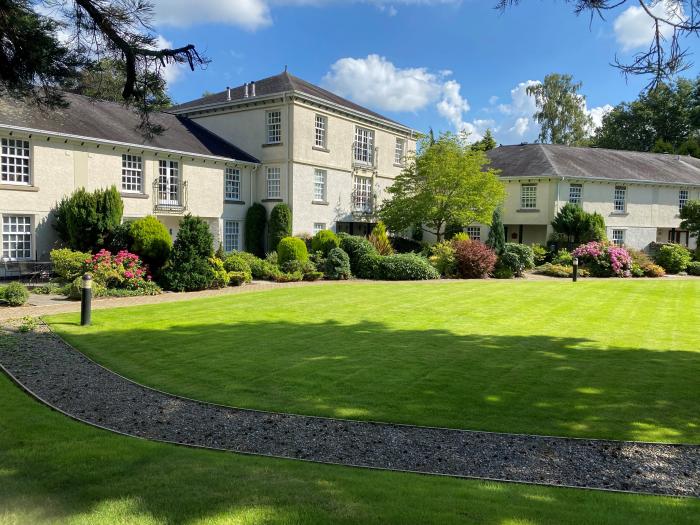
{"x": 111, "y": 121}
{"x": 284, "y": 82}
{"x": 550, "y": 160}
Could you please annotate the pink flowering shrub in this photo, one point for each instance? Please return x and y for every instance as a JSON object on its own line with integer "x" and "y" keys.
{"x": 603, "y": 259}
{"x": 124, "y": 271}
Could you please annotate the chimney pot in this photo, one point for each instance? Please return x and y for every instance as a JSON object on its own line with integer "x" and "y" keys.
{"x": 245, "y": 95}
{"x": 252, "y": 88}
{"x": 228, "y": 93}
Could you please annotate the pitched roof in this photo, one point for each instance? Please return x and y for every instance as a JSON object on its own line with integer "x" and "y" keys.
{"x": 284, "y": 82}
{"x": 102, "y": 120}
{"x": 550, "y": 160}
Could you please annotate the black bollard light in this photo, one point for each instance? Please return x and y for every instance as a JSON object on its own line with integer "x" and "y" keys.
{"x": 86, "y": 300}
{"x": 574, "y": 274}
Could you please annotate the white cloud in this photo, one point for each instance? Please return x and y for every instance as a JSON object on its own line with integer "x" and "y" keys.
{"x": 597, "y": 115}
{"x": 634, "y": 28}
{"x": 254, "y": 14}
{"x": 375, "y": 81}
{"x": 452, "y": 105}
{"x": 520, "y": 102}
{"x": 520, "y": 127}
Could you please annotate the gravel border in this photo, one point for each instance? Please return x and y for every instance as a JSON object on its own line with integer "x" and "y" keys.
{"x": 66, "y": 380}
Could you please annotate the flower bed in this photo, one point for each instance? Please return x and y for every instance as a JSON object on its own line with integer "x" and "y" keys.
{"x": 604, "y": 259}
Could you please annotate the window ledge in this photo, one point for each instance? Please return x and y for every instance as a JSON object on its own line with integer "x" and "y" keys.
{"x": 18, "y": 187}
{"x": 233, "y": 201}
{"x": 528, "y": 210}
{"x": 397, "y": 165}
{"x": 320, "y": 203}
{"x": 273, "y": 200}
{"x": 129, "y": 195}
{"x": 319, "y": 148}
{"x": 619, "y": 214}
{"x": 271, "y": 144}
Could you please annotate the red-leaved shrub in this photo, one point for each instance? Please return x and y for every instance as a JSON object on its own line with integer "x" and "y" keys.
{"x": 474, "y": 259}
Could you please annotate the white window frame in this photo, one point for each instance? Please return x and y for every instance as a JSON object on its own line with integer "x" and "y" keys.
{"x": 400, "y": 151}
{"x": 232, "y": 184}
{"x": 474, "y": 232}
{"x": 620, "y": 199}
{"x": 169, "y": 182}
{"x": 319, "y": 226}
{"x": 528, "y": 196}
{"x": 274, "y": 182}
{"x": 618, "y": 237}
{"x": 683, "y": 196}
{"x": 132, "y": 173}
{"x": 320, "y": 180}
{"x": 14, "y": 235}
{"x": 232, "y": 235}
{"x": 576, "y": 194}
{"x": 321, "y": 131}
{"x": 364, "y": 146}
{"x": 362, "y": 194}
{"x": 273, "y": 126}
{"x": 16, "y": 162}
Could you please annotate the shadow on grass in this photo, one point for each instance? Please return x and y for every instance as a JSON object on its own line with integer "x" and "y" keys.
{"x": 527, "y": 384}
{"x": 54, "y": 470}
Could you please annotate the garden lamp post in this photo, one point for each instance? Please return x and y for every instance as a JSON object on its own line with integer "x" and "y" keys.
{"x": 574, "y": 274}
{"x": 86, "y": 300}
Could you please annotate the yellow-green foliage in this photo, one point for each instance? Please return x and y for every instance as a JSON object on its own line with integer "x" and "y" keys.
{"x": 380, "y": 239}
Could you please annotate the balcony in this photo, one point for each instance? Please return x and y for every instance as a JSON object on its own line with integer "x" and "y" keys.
{"x": 362, "y": 202}
{"x": 169, "y": 197}
{"x": 364, "y": 157}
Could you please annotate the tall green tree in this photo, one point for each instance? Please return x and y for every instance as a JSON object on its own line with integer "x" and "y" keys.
{"x": 578, "y": 225}
{"x": 690, "y": 215}
{"x": 560, "y": 110}
{"x": 497, "y": 233}
{"x": 486, "y": 143}
{"x": 279, "y": 225}
{"x": 446, "y": 182}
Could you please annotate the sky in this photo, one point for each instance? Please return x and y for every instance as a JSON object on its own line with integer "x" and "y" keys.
{"x": 442, "y": 64}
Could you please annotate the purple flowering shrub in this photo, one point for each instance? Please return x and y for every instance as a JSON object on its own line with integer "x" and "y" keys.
{"x": 124, "y": 271}
{"x": 603, "y": 259}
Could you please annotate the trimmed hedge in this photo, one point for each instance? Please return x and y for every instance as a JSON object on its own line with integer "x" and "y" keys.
{"x": 68, "y": 264}
{"x": 255, "y": 222}
{"x": 280, "y": 225}
{"x": 356, "y": 248}
{"x": 15, "y": 294}
{"x": 324, "y": 241}
{"x": 337, "y": 265}
{"x": 238, "y": 264}
{"x": 291, "y": 249}
{"x": 404, "y": 267}
{"x": 673, "y": 258}
{"x": 151, "y": 241}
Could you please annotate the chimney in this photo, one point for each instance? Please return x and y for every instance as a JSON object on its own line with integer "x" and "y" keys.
{"x": 228, "y": 93}
{"x": 252, "y": 88}
{"x": 245, "y": 95}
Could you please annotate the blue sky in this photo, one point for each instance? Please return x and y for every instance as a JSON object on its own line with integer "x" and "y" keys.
{"x": 446, "y": 64}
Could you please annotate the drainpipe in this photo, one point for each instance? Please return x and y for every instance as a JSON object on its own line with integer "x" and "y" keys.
{"x": 290, "y": 154}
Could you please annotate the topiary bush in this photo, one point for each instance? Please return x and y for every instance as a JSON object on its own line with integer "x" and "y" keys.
{"x": 356, "y": 248}
{"x": 188, "y": 268}
{"x": 405, "y": 267}
{"x": 68, "y": 264}
{"x": 673, "y": 258}
{"x": 15, "y": 294}
{"x": 337, "y": 266}
{"x": 291, "y": 249}
{"x": 255, "y": 222}
{"x": 151, "y": 241}
{"x": 475, "y": 260}
{"x": 324, "y": 241}
{"x": 693, "y": 268}
{"x": 280, "y": 225}
{"x": 380, "y": 239}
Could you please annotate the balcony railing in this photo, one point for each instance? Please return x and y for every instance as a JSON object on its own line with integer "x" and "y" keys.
{"x": 362, "y": 202}
{"x": 169, "y": 198}
{"x": 364, "y": 159}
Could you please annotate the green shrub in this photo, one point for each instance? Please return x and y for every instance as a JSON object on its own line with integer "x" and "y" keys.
{"x": 280, "y": 224}
{"x": 188, "y": 268}
{"x": 151, "y": 241}
{"x": 68, "y": 264}
{"x": 238, "y": 278}
{"x": 221, "y": 276}
{"x": 404, "y": 267}
{"x": 380, "y": 240}
{"x": 255, "y": 221}
{"x": 282, "y": 277}
{"x": 673, "y": 258}
{"x": 540, "y": 254}
{"x": 693, "y": 268}
{"x": 324, "y": 241}
{"x": 558, "y": 270}
{"x": 563, "y": 258}
{"x": 442, "y": 257}
{"x": 238, "y": 263}
{"x": 86, "y": 220}
{"x": 517, "y": 257}
{"x": 75, "y": 289}
{"x": 337, "y": 265}
{"x": 48, "y": 289}
{"x": 15, "y": 294}
{"x": 502, "y": 271}
{"x": 120, "y": 238}
{"x": 356, "y": 248}
{"x": 291, "y": 249}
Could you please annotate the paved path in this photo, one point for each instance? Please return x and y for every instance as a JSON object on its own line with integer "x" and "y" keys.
{"x": 65, "y": 379}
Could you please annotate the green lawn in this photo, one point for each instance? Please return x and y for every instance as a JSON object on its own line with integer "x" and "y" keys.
{"x": 606, "y": 358}
{"x": 54, "y": 470}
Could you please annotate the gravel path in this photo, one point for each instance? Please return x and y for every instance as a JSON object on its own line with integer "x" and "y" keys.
{"x": 65, "y": 379}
